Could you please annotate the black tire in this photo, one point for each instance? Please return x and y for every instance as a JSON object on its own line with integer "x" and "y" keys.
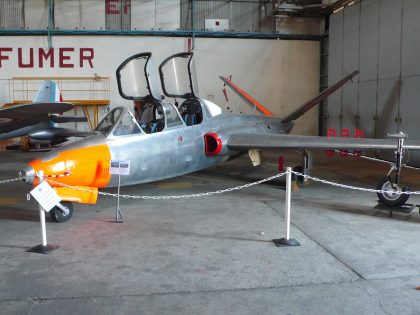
{"x": 300, "y": 180}
{"x": 391, "y": 199}
{"x": 57, "y": 214}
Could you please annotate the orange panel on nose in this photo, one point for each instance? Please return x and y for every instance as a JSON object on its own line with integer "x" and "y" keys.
{"x": 77, "y": 167}
{"x": 81, "y": 194}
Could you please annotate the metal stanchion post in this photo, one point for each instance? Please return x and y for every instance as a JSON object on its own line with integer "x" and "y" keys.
{"x": 43, "y": 248}
{"x": 43, "y": 226}
{"x": 118, "y": 213}
{"x": 287, "y": 241}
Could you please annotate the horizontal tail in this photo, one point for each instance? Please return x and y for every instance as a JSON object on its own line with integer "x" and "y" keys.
{"x": 318, "y": 99}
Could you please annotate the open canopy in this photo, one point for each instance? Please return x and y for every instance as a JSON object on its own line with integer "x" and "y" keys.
{"x": 178, "y": 76}
{"x": 137, "y": 79}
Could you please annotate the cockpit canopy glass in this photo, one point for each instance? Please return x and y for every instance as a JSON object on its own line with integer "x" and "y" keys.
{"x": 137, "y": 79}
{"x": 172, "y": 117}
{"x": 126, "y": 126}
{"x": 120, "y": 122}
{"x": 108, "y": 122}
{"x": 178, "y": 76}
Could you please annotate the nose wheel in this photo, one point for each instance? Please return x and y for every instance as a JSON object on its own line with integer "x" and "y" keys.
{"x": 63, "y": 213}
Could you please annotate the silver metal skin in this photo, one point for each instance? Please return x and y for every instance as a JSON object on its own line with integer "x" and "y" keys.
{"x": 170, "y": 144}
{"x": 27, "y": 174}
{"x": 178, "y": 150}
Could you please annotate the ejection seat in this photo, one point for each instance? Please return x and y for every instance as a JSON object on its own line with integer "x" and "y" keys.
{"x": 151, "y": 118}
{"x": 191, "y": 111}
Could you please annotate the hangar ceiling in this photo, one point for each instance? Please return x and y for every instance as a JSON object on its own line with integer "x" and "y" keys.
{"x": 308, "y": 7}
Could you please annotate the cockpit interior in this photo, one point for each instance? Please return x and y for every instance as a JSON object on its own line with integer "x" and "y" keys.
{"x": 152, "y": 113}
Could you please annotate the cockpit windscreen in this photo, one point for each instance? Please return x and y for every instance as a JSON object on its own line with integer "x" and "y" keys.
{"x": 106, "y": 125}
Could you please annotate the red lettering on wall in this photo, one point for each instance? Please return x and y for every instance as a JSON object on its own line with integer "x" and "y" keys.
{"x": 67, "y": 57}
{"x": 111, "y": 7}
{"x": 126, "y": 5}
{"x": 345, "y": 133}
{"x": 281, "y": 163}
{"x": 42, "y": 55}
{"x": 86, "y": 54}
{"x": 30, "y": 64}
{"x": 63, "y": 58}
{"x": 358, "y": 133}
{"x": 4, "y": 57}
{"x": 331, "y": 133}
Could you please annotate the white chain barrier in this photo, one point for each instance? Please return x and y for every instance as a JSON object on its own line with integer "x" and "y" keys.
{"x": 327, "y": 182}
{"x": 156, "y": 197}
{"x": 10, "y": 180}
{"x": 210, "y": 193}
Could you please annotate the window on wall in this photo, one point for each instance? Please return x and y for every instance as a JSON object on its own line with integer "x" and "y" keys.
{"x": 12, "y": 14}
{"x": 118, "y": 14}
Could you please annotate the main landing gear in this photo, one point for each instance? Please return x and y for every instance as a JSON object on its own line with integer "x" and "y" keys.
{"x": 62, "y": 212}
{"x": 303, "y": 169}
{"x": 390, "y": 195}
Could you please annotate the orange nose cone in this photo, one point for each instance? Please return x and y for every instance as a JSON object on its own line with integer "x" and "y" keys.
{"x": 76, "y": 167}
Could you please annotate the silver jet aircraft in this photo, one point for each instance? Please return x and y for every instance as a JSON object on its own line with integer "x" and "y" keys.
{"x": 164, "y": 139}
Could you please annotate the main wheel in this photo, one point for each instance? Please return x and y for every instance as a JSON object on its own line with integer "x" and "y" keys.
{"x": 299, "y": 179}
{"x": 58, "y": 215}
{"x": 389, "y": 197}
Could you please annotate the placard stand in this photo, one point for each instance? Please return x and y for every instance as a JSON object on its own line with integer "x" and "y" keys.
{"x": 287, "y": 241}
{"x": 119, "y": 167}
{"x": 43, "y": 248}
{"x": 118, "y": 213}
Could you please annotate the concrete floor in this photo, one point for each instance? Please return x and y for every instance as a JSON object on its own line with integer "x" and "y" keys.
{"x": 214, "y": 255}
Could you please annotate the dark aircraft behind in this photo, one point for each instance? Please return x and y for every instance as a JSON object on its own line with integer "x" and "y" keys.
{"x": 37, "y": 119}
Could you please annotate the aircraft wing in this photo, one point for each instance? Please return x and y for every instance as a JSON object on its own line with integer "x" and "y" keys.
{"x": 19, "y": 116}
{"x": 244, "y": 141}
{"x": 66, "y": 119}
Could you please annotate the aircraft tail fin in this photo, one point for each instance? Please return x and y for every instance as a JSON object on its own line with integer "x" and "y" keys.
{"x": 246, "y": 97}
{"x": 318, "y": 99}
{"x": 48, "y": 93}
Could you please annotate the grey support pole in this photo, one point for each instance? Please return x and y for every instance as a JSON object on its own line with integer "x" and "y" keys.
{"x": 43, "y": 248}
{"x": 118, "y": 212}
{"x": 287, "y": 241}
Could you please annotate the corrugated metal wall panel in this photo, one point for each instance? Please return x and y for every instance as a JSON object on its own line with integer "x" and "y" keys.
{"x": 243, "y": 16}
{"x": 265, "y": 18}
{"x": 185, "y": 15}
{"x": 389, "y": 68}
{"x": 118, "y": 16}
{"x": 12, "y": 14}
{"x": 210, "y": 10}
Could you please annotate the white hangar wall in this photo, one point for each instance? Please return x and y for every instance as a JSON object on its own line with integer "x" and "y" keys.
{"x": 281, "y": 74}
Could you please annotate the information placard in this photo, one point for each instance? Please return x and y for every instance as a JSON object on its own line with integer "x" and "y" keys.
{"x": 119, "y": 167}
{"x": 46, "y": 196}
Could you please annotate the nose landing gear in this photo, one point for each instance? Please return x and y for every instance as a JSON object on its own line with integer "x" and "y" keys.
{"x": 62, "y": 212}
